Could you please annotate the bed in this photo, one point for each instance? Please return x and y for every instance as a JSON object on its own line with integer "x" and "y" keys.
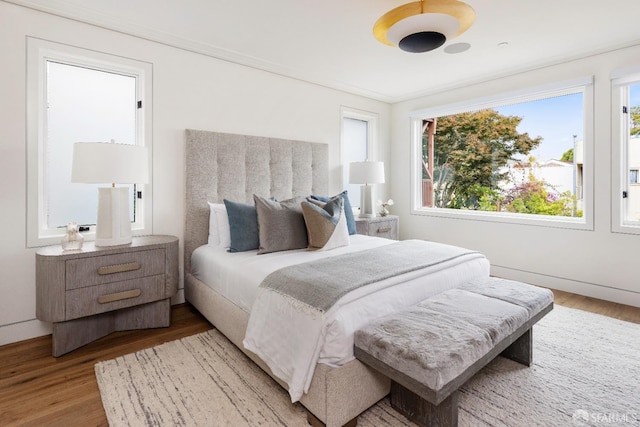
{"x": 235, "y": 167}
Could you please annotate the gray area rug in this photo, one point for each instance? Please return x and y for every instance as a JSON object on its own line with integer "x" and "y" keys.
{"x": 586, "y": 372}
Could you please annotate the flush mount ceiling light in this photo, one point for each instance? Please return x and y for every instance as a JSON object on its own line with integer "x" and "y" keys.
{"x": 422, "y": 26}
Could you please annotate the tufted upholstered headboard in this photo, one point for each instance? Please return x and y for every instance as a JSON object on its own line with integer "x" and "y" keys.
{"x": 235, "y": 167}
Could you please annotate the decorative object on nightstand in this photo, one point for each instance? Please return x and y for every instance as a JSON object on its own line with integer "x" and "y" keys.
{"x": 101, "y": 163}
{"x": 384, "y": 211}
{"x": 72, "y": 240}
{"x": 381, "y": 226}
{"x": 366, "y": 173}
{"x": 89, "y": 293}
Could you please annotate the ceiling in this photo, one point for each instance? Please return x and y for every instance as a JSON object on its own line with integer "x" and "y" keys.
{"x": 330, "y": 42}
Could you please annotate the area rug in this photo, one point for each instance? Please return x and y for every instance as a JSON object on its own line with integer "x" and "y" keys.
{"x": 586, "y": 372}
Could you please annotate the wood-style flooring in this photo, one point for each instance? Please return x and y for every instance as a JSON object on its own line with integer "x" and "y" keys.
{"x": 37, "y": 389}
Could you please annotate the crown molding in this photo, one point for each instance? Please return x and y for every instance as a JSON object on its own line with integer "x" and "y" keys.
{"x": 89, "y": 16}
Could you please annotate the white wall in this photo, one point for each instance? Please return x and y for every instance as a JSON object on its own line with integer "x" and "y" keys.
{"x": 596, "y": 263}
{"x": 189, "y": 91}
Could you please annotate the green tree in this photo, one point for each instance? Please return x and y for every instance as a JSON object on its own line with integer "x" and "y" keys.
{"x": 567, "y": 156}
{"x": 635, "y": 120}
{"x": 469, "y": 150}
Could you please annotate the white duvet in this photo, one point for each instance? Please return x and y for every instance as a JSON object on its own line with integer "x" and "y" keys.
{"x": 291, "y": 341}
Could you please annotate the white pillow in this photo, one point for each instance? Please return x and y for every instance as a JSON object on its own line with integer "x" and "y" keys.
{"x": 219, "y": 233}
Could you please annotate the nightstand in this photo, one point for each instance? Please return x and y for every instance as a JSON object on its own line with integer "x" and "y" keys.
{"x": 379, "y": 226}
{"x": 89, "y": 293}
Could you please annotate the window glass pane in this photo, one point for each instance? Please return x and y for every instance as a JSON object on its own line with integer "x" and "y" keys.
{"x": 632, "y": 214}
{"x": 355, "y": 137}
{"x": 83, "y": 105}
{"x": 518, "y": 158}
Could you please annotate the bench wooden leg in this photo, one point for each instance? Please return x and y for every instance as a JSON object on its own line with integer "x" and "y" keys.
{"x": 521, "y": 350}
{"x": 422, "y": 412}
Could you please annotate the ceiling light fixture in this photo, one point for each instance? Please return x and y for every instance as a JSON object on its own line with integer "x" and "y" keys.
{"x": 422, "y": 26}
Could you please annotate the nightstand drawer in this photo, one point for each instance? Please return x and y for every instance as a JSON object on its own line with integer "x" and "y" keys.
{"x": 385, "y": 229}
{"x": 99, "y": 270}
{"x": 113, "y": 296}
{"x": 380, "y": 226}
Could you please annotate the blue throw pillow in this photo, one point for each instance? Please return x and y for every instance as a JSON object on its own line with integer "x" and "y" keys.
{"x": 243, "y": 226}
{"x": 348, "y": 213}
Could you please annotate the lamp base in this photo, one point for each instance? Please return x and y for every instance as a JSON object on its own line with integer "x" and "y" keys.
{"x": 113, "y": 226}
{"x": 366, "y": 202}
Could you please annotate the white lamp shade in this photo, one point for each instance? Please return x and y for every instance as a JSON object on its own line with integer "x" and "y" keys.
{"x": 104, "y": 162}
{"x": 366, "y": 173}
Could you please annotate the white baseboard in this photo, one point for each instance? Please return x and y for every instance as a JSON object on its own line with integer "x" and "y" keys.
{"x": 593, "y": 290}
{"x": 23, "y": 331}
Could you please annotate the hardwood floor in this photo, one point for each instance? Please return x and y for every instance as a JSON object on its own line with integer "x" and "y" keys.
{"x": 37, "y": 389}
{"x": 606, "y": 308}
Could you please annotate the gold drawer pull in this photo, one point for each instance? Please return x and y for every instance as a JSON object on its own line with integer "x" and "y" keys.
{"x": 119, "y": 296}
{"x": 120, "y": 268}
{"x": 384, "y": 230}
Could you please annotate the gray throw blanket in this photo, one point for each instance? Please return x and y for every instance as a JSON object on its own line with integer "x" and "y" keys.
{"x": 320, "y": 284}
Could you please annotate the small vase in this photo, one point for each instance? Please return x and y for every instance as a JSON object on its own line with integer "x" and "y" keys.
{"x": 72, "y": 240}
{"x": 383, "y": 211}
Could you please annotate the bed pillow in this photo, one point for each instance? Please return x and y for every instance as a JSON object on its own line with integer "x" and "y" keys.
{"x": 243, "y": 226}
{"x": 281, "y": 225}
{"x": 326, "y": 223}
{"x": 219, "y": 233}
{"x": 214, "y": 235}
{"x": 348, "y": 212}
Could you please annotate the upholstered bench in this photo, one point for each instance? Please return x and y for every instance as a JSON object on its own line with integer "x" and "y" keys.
{"x": 430, "y": 350}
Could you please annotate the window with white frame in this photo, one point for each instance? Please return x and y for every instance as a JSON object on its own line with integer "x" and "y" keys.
{"x": 77, "y": 95}
{"x": 357, "y": 140}
{"x": 522, "y": 157}
{"x": 626, "y": 150}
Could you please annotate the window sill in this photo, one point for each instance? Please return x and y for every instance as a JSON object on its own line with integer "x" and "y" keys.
{"x": 509, "y": 218}
{"x": 55, "y": 239}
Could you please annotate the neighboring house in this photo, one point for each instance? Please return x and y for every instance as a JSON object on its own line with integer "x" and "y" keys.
{"x": 558, "y": 175}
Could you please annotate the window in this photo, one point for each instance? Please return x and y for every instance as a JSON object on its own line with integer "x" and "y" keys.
{"x": 626, "y": 151}
{"x": 358, "y": 136}
{"x": 75, "y": 95}
{"x": 515, "y": 158}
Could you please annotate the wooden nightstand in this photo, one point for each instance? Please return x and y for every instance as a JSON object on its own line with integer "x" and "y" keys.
{"x": 379, "y": 226}
{"x": 90, "y": 293}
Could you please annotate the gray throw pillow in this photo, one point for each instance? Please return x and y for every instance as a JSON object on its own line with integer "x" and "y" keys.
{"x": 281, "y": 225}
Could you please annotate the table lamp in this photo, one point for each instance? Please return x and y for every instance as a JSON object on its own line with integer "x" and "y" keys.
{"x": 366, "y": 173}
{"x": 102, "y": 163}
